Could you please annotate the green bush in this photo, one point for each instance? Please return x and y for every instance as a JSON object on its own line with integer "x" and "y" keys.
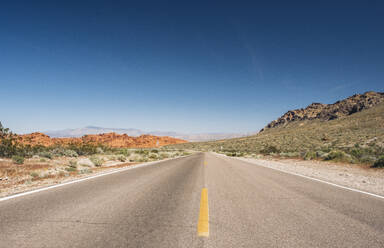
{"x": 70, "y": 169}
{"x": 61, "y": 151}
{"x": 368, "y": 159}
{"x": 73, "y": 164}
{"x": 18, "y": 159}
{"x": 339, "y": 156}
{"x": 357, "y": 152}
{"x": 163, "y": 155}
{"x": 153, "y": 156}
{"x": 121, "y": 158}
{"x": 96, "y": 161}
{"x": 269, "y": 150}
{"x": 8, "y": 145}
{"x": 379, "y": 163}
{"x": 34, "y": 175}
{"x": 46, "y": 154}
{"x": 310, "y": 155}
{"x": 124, "y": 152}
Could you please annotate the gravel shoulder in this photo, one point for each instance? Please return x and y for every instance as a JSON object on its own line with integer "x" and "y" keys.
{"x": 349, "y": 175}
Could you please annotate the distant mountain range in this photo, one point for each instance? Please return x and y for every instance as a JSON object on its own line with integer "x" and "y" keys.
{"x": 78, "y": 132}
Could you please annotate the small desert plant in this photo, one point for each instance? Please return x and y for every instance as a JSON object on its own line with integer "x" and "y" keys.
{"x": 46, "y": 154}
{"x": 163, "y": 155}
{"x": 379, "y": 163}
{"x": 18, "y": 159}
{"x": 310, "y": 155}
{"x": 99, "y": 150}
{"x": 85, "y": 171}
{"x": 96, "y": 161}
{"x": 34, "y": 175}
{"x": 269, "y": 149}
{"x": 153, "y": 156}
{"x": 121, "y": 158}
{"x": 72, "y": 166}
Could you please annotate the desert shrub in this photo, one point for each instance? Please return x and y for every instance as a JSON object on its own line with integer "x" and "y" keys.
{"x": 310, "y": 155}
{"x": 142, "y": 151}
{"x": 153, "y": 156}
{"x": 379, "y": 162}
{"x": 8, "y": 146}
{"x": 269, "y": 149}
{"x": 96, "y": 161}
{"x": 321, "y": 154}
{"x": 339, "y": 156}
{"x": 18, "y": 159}
{"x": 121, "y": 158}
{"x": 163, "y": 155}
{"x": 99, "y": 150}
{"x": 357, "y": 152}
{"x": 144, "y": 159}
{"x": 73, "y": 164}
{"x": 46, "y": 154}
{"x": 85, "y": 171}
{"x": 84, "y": 149}
{"x": 61, "y": 151}
{"x": 124, "y": 152}
{"x": 155, "y": 151}
{"x": 368, "y": 159}
{"x": 34, "y": 175}
{"x": 70, "y": 169}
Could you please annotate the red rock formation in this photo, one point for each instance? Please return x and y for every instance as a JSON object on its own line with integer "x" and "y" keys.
{"x": 106, "y": 139}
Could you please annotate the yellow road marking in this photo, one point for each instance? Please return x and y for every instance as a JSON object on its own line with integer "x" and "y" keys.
{"x": 203, "y": 224}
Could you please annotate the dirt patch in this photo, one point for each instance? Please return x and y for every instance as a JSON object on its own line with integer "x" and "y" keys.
{"x": 32, "y": 175}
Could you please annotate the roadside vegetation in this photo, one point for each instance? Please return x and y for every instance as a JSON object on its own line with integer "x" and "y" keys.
{"x": 358, "y": 138}
{"x": 25, "y": 166}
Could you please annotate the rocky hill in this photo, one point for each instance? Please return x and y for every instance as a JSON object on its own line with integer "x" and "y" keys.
{"x": 107, "y": 139}
{"x": 325, "y": 112}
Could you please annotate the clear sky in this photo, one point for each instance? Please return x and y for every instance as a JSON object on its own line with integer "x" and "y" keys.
{"x": 187, "y": 66}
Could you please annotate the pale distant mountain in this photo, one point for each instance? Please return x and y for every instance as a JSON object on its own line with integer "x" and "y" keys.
{"x": 78, "y": 132}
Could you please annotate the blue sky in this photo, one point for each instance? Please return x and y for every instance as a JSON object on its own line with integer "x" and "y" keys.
{"x": 187, "y": 67}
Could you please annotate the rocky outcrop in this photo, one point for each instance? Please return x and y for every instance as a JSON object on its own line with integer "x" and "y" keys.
{"x": 106, "y": 139}
{"x": 327, "y": 112}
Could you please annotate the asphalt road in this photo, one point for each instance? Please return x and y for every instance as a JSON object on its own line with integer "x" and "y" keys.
{"x": 160, "y": 206}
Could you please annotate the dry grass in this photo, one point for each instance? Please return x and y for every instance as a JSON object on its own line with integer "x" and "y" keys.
{"x": 355, "y": 138}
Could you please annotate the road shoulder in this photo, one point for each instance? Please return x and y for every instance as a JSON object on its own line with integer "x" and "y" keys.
{"x": 369, "y": 180}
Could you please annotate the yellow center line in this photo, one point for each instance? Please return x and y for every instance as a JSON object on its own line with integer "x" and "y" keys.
{"x": 203, "y": 223}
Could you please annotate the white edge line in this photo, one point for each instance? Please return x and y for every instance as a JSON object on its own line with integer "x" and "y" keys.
{"x": 312, "y": 178}
{"x": 83, "y": 179}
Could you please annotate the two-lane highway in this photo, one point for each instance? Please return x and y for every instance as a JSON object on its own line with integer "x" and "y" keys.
{"x": 203, "y": 200}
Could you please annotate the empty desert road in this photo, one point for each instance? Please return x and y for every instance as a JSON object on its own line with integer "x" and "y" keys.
{"x": 202, "y": 200}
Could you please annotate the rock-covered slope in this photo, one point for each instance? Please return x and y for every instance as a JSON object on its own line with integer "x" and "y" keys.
{"x": 348, "y": 106}
{"x": 107, "y": 139}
